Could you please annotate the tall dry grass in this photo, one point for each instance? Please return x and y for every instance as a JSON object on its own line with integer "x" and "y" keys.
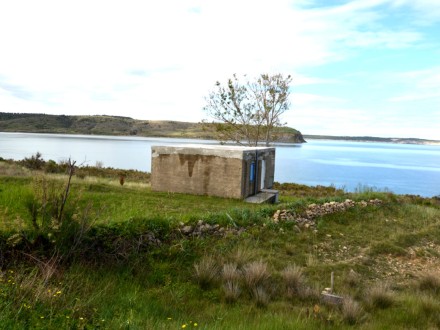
{"x": 256, "y": 276}
{"x": 206, "y": 272}
{"x": 293, "y": 280}
{"x": 231, "y": 282}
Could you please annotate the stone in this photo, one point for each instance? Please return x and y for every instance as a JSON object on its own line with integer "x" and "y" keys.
{"x": 331, "y": 299}
{"x": 186, "y": 230}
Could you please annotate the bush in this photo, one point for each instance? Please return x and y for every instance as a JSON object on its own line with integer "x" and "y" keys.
{"x": 52, "y": 167}
{"x": 35, "y": 162}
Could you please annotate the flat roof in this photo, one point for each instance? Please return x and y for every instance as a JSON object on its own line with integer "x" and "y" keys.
{"x": 227, "y": 151}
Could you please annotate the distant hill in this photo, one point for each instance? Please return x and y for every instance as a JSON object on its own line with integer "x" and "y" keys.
{"x": 372, "y": 139}
{"x": 116, "y": 125}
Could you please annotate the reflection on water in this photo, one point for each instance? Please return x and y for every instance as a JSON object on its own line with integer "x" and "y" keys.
{"x": 412, "y": 169}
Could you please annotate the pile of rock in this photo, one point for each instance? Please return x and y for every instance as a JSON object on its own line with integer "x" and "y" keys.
{"x": 151, "y": 239}
{"x": 202, "y": 228}
{"x": 307, "y": 219}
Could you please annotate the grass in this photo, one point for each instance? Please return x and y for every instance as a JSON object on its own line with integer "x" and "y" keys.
{"x": 293, "y": 280}
{"x": 351, "y": 311}
{"x": 231, "y": 276}
{"x": 118, "y": 278}
{"x": 429, "y": 281}
{"x": 380, "y": 296}
{"x": 206, "y": 272}
{"x": 115, "y": 203}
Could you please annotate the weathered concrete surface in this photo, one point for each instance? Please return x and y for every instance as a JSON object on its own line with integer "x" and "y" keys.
{"x": 197, "y": 174}
{"x": 265, "y": 196}
{"x": 206, "y": 150}
{"x": 211, "y": 170}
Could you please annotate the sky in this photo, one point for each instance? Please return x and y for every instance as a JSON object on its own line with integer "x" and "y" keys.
{"x": 359, "y": 67}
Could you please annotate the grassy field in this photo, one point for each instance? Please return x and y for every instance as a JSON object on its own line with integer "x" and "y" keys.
{"x": 128, "y": 258}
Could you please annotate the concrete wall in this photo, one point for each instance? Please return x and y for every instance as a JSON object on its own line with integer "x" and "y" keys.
{"x": 206, "y": 170}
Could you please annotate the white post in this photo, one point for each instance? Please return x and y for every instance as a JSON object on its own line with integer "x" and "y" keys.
{"x": 332, "y": 281}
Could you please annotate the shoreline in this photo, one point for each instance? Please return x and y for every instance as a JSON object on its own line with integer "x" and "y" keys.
{"x": 372, "y": 139}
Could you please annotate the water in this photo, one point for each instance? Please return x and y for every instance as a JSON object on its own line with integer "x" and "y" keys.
{"x": 403, "y": 169}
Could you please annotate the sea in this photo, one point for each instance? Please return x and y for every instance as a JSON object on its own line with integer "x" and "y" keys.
{"x": 353, "y": 166}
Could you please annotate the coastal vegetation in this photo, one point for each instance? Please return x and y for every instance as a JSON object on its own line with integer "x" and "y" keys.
{"x": 125, "y": 126}
{"x": 126, "y": 257}
{"x": 117, "y": 125}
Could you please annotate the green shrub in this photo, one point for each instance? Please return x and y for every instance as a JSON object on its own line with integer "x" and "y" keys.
{"x": 35, "y": 162}
{"x": 52, "y": 167}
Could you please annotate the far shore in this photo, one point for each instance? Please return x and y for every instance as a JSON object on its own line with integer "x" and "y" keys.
{"x": 414, "y": 141}
{"x": 373, "y": 139}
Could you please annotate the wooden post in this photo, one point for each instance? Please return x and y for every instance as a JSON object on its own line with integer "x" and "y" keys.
{"x": 332, "y": 282}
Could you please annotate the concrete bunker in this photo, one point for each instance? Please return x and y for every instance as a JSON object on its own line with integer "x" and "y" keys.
{"x": 225, "y": 171}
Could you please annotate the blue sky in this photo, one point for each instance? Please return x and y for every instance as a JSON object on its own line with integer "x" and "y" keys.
{"x": 360, "y": 67}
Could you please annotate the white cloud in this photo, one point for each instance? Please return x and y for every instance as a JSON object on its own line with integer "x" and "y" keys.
{"x": 301, "y": 80}
{"x": 157, "y": 60}
{"x": 419, "y": 85}
{"x": 314, "y": 100}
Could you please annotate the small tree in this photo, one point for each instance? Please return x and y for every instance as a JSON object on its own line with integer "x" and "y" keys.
{"x": 248, "y": 112}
